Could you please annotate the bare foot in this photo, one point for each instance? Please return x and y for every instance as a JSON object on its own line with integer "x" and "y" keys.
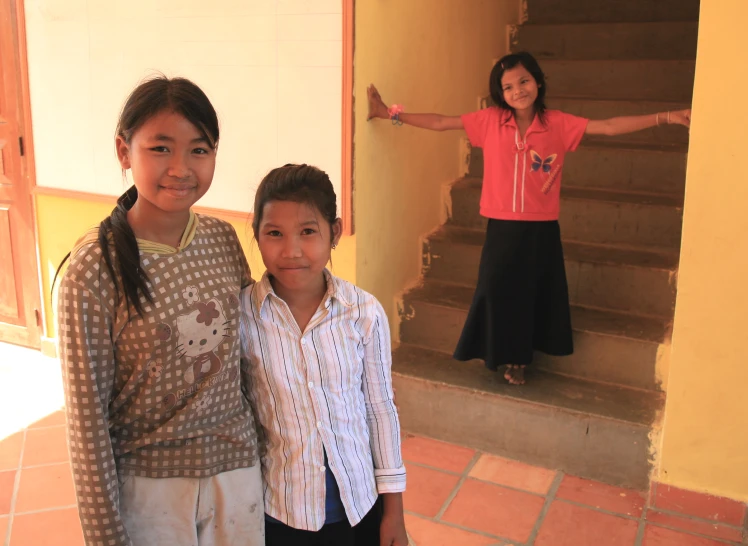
{"x": 514, "y": 374}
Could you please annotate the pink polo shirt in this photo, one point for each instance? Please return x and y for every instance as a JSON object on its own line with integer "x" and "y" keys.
{"x": 522, "y": 177}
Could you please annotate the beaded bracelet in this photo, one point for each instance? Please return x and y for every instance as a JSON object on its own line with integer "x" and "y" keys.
{"x": 394, "y": 112}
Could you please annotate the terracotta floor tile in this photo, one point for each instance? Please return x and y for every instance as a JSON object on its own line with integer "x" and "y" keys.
{"x": 429, "y": 533}
{"x": 45, "y": 445}
{"x": 513, "y": 474}
{"x": 427, "y": 490}
{"x": 603, "y": 496}
{"x": 7, "y": 482}
{"x": 51, "y": 420}
{"x": 700, "y": 505}
{"x": 716, "y": 530}
{"x": 437, "y": 454}
{"x": 569, "y": 525}
{"x": 495, "y": 510}
{"x": 51, "y": 528}
{"x": 3, "y": 527}
{"x": 657, "y": 536}
{"x": 45, "y": 487}
{"x": 10, "y": 451}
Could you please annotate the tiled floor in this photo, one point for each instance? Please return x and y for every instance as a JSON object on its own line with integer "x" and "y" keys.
{"x": 456, "y": 496}
{"x": 459, "y": 496}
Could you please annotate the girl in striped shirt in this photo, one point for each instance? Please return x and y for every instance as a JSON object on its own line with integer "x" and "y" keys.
{"x": 318, "y": 360}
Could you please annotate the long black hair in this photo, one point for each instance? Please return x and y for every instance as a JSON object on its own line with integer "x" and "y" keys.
{"x": 508, "y": 62}
{"x": 178, "y": 95}
{"x": 301, "y": 184}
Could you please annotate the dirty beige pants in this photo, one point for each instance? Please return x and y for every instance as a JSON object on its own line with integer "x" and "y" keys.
{"x": 224, "y": 510}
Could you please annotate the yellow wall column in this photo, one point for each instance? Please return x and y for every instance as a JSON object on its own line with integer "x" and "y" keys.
{"x": 430, "y": 56}
{"x": 705, "y": 435}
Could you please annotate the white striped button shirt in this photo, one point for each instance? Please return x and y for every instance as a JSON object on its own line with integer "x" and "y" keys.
{"x": 329, "y": 387}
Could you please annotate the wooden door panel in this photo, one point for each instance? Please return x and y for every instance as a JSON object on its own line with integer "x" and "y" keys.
{"x": 20, "y": 300}
{"x": 8, "y": 298}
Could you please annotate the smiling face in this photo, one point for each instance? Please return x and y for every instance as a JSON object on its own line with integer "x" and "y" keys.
{"x": 171, "y": 162}
{"x": 519, "y": 88}
{"x": 295, "y": 242}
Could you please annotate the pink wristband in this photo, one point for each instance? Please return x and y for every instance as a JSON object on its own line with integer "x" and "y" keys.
{"x": 395, "y": 110}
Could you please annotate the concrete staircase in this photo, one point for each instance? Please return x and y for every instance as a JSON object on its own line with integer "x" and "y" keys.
{"x": 593, "y": 413}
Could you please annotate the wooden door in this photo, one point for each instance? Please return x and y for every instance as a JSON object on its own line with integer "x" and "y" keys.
{"x": 20, "y": 301}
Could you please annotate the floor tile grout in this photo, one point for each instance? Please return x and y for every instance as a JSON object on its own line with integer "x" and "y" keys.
{"x": 694, "y": 518}
{"x": 460, "y": 527}
{"x": 642, "y": 526}
{"x": 45, "y": 510}
{"x": 598, "y": 509}
{"x": 16, "y": 487}
{"x": 45, "y": 465}
{"x": 535, "y": 493}
{"x": 692, "y": 533}
{"x": 550, "y": 497}
{"x": 458, "y": 485}
{"x": 45, "y": 427}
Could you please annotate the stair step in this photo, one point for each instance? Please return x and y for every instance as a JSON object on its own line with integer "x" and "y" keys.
{"x": 662, "y": 40}
{"x": 593, "y": 215}
{"x": 616, "y": 11}
{"x": 611, "y": 218}
{"x": 625, "y": 167}
{"x": 621, "y": 79}
{"x": 584, "y": 428}
{"x": 609, "y": 347}
{"x": 632, "y": 280}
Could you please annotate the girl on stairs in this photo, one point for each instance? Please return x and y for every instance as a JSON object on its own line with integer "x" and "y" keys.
{"x": 521, "y": 301}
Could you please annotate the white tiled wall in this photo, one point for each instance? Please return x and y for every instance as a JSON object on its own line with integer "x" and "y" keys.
{"x": 272, "y": 69}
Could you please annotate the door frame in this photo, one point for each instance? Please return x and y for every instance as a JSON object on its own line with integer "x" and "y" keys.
{"x": 346, "y": 198}
{"x": 16, "y": 27}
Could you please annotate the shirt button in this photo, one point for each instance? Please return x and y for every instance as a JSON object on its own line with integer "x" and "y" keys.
{"x": 319, "y": 424}
{"x": 311, "y": 384}
{"x": 322, "y": 469}
{"x": 303, "y": 341}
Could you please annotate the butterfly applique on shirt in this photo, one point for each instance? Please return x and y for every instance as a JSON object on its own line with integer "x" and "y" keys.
{"x": 538, "y": 163}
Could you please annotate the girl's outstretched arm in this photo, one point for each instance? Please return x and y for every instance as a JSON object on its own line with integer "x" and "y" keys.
{"x": 629, "y": 124}
{"x": 435, "y": 122}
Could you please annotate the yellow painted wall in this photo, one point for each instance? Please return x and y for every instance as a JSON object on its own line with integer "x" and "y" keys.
{"x": 705, "y": 434}
{"x": 431, "y": 56}
{"x": 61, "y": 220}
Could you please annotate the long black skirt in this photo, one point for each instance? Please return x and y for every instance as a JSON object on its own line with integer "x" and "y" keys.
{"x": 521, "y": 302}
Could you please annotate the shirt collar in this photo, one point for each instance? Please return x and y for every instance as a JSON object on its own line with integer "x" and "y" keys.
{"x": 336, "y": 289}
{"x": 537, "y": 126}
{"x": 92, "y": 236}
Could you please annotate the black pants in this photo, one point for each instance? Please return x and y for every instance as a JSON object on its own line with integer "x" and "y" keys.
{"x": 366, "y": 533}
{"x": 521, "y": 302}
